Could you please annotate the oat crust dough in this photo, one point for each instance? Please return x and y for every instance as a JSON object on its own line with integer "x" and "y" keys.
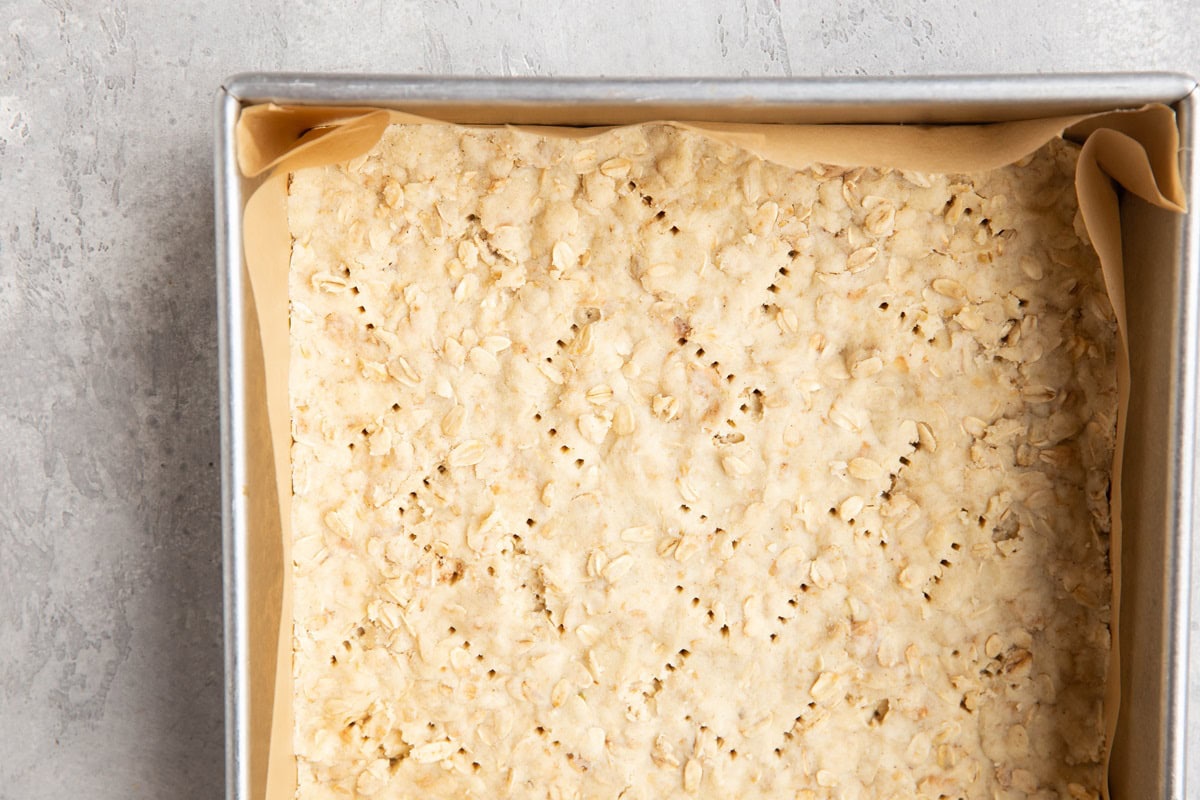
{"x": 636, "y": 467}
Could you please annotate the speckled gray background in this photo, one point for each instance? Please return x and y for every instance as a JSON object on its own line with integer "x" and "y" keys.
{"x": 110, "y": 610}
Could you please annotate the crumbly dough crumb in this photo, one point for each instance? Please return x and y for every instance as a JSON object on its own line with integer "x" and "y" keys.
{"x": 635, "y": 466}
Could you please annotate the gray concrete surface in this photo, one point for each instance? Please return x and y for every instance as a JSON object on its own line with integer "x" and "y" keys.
{"x": 110, "y": 610}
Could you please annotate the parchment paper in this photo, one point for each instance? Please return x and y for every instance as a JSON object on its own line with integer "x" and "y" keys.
{"x": 1136, "y": 149}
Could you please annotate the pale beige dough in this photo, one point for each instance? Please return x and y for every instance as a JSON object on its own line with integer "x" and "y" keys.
{"x": 636, "y": 467}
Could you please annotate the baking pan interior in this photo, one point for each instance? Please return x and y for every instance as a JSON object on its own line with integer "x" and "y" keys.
{"x": 1160, "y": 285}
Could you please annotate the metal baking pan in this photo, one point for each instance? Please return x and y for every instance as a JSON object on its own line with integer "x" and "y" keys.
{"x": 1149, "y": 754}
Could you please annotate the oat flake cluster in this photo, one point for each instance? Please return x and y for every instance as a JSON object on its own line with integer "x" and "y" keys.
{"x": 636, "y": 467}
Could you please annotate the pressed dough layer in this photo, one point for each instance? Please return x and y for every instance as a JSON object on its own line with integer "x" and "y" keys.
{"x": 636, "y": 467}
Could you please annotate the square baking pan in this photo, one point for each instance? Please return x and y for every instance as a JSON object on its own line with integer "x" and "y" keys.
{"x": 1150, "y": 748}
